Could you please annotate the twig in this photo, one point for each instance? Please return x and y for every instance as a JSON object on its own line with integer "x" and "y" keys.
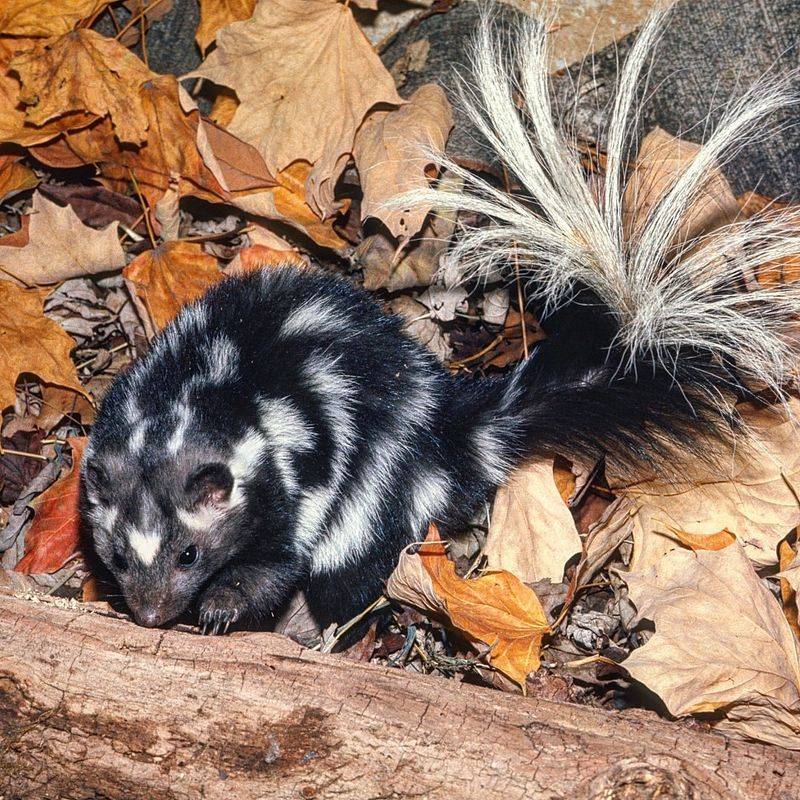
{"x": 496, "y": 341}
{"x": 134, "y": 19}
{"x": 145, "y": 209}
{"x": 4, "y": 451}
{"x": 376, "y": 605}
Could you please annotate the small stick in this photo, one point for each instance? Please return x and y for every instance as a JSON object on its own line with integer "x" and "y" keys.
{"x": 496, "y": 341}
{"x": 4, "y": 451}
{"x": 134, "y": 19}
{"x": 145, "y": 209}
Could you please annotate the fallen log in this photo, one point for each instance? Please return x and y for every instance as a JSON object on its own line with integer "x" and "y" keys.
{"x": 95, "y": 707}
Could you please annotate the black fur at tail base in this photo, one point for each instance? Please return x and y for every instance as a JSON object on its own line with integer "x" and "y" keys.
{"x": 284, "y": 433}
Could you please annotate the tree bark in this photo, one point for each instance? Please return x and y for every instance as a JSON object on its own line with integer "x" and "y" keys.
{"x": 95, "y": 707}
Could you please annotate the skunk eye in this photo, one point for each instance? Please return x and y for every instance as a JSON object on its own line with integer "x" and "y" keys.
{"x": 188, "y": 557}
{"x": 120, "y": 562}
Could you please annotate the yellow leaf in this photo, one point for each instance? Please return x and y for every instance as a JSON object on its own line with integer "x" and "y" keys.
{"x": 753, "y": 495}
{"x": 15, "y": 177}
{"x": 30, "y": 342}
{"x": 216, "y": 14}
{"x": 531, "y": 532}
{"x": 172, "y": 275}
{"x": 296, "y": 66}
{"x": 45, "y": 17}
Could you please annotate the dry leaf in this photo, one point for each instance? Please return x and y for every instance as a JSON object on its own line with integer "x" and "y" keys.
{"x": 660, "y": 162}
{"x": 15, "y": 177}
{"x": 172, "y": 275}
{"x": 604, "y": 537}
{"x": 755, "y": 496}
{"x": 266, "y": 249}
{"x": 531, "y": 532}
{"x": 45, "y": 17}
{"x": 393, "y": 153}
{"x": 54, "y": 537}
{"x": 216, "y": 14}
{"x": 286, "y": 202}
{"x": 721, "y": 644}
{"x": 30, "y": 342}
{"x": 496, "y": 609}
{"x": 170, "y": 148}
{"x": 84, "y": 72}
{"x": 790, "y": 584}
{"x": 59, "y": 246}
{"x": 712, "y": 541}
{"x": 418, "y": 323}
{"x": 296, "y": 67}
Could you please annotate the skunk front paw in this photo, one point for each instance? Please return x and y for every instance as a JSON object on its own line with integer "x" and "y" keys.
{"x": 219, "y": 609}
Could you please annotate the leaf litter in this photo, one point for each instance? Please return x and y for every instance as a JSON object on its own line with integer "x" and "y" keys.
{"x": 121, "y": 199}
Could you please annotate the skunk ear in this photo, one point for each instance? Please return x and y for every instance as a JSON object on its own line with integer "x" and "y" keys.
{"x": 210, "y": 484}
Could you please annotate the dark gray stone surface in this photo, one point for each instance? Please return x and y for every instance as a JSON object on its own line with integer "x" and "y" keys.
{"x": 712, "y": 49}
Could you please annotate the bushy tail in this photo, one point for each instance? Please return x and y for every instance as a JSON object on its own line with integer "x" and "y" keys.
{"x": 686, "y": 325}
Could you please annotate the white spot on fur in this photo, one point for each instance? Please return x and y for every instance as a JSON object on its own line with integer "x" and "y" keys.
{"x": 144, "y": 545}
{"x": 184, "y": 414}
{"x": 103, "y": 518}
{"x": 429, "y": 497}
{"x": 360, "y": 512}
{"x": 202, "y": 518}
{"x": 247, "y": 455}
{"x": 336, "y": 392}
{"x": 223, "y": 359}
{"x": 488, "y": 450}
{"x": 288, "y": 433}
{"x": 137, "y": 437}
{"x": 314, "y": 316}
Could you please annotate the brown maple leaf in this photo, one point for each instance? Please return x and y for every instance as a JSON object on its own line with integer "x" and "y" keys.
{"x": 216, "y": 14}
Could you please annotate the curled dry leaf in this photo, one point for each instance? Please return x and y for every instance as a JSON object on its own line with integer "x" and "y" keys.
{"x": 394, "y": 153}
{"x": 59, "y": 246}
{"x": 172, "y": 275}
{"x": 30, "y": 342}
{"x": 496, "y": 609}
{"x": 721, "y": 644}
{"x": 755, "y": 498}
{"x": 54, "y": 536}
{"x": 296, "y": 66}
{"x": 712, "y": 541}
{"x": 45, "y": 17}
{"x": 418, "y": 323}
{"x": 216, "y": 14}
{"x": 531, "y": 532}
{"x": 286, "y": 202}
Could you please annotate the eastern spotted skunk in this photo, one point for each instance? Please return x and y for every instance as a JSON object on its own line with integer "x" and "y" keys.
{"x": 284, "y": 433}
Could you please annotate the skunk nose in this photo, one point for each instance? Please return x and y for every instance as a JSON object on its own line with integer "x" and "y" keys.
{"x": 149, "y": 618}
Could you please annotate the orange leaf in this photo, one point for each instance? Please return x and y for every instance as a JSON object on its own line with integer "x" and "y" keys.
{"x": 15, "y": 177}
{"x": 704, "y": 541}
{"x": 216, "y": 14}
{"x": 786, "y": 557}
{"x": 497, "y": 609}
{"x": 54, "y": 537}
{"x": 45, "y": 17}
{"x": 172, "y": 275}
{"x": 30, "y": 342}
